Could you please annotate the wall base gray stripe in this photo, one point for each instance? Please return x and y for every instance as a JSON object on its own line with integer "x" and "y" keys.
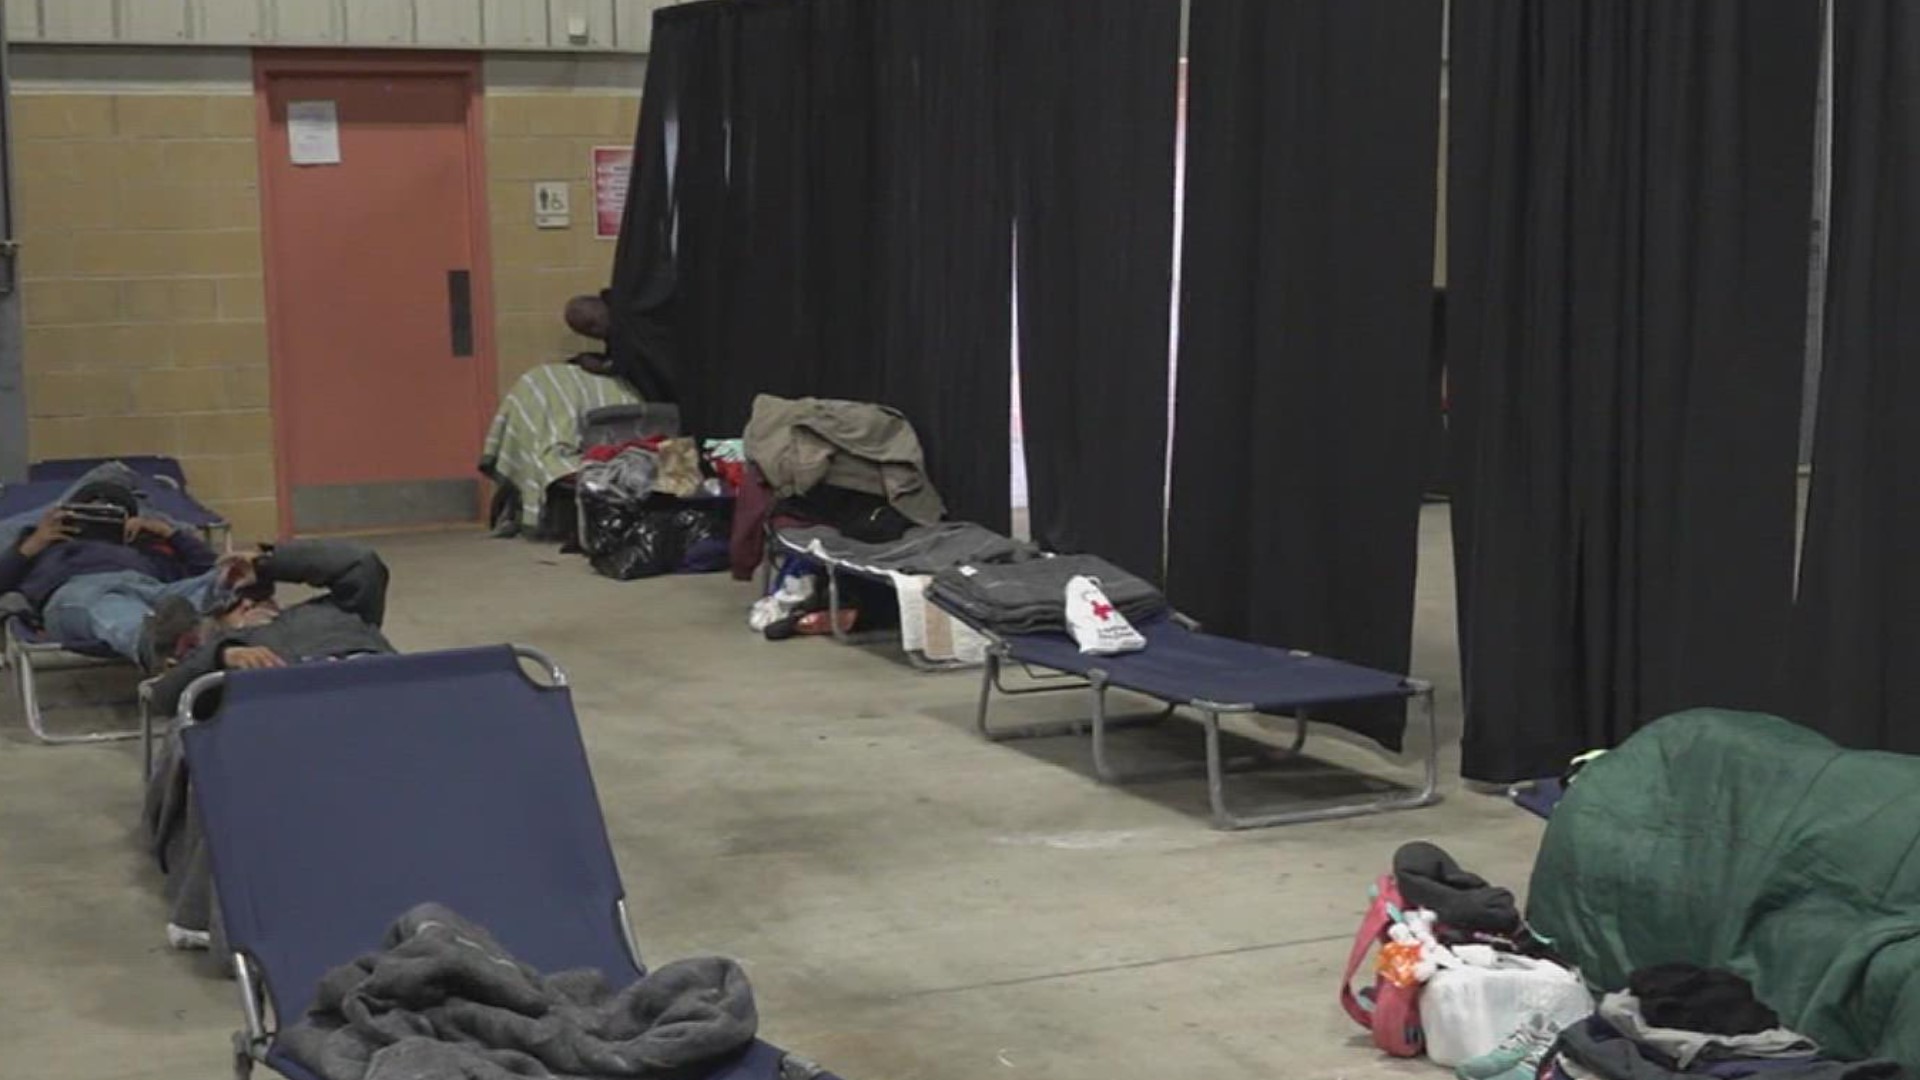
{"x": 399, "y": 504}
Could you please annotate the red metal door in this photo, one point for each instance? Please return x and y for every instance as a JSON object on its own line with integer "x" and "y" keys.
{"x": 382, "y": 381}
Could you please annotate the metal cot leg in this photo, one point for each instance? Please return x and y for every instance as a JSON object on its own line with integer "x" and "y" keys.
{"x": 21, "y": 660}
{"x": 1102, "y": 723}
{"x": 833, "y": 605}
{"x": 990, "y": 681}
{"x": 1100, "y": 766}
{"x": 22, "y": 664}
{"x": 1224, "y": 817}
{"x": 249, "y": 1045}
{"x": 146, "y": 730}
{"x": 989, "y": 674}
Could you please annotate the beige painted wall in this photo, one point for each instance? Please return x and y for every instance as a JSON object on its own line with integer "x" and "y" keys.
{"x": 546, "y": 136}
{"x": 142, "y": 291}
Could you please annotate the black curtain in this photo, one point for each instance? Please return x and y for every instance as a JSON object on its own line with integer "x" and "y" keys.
{"x": 1629, "y": 205}
{"x": 942, "y": 261}
{"x": 1859, "y": 581}
{"x": 1091, "y": 98}
{"x": 1307, "y": 284}
{"x": 644, "y": 295}
{"x": 745, "y": 264}
{"x": 821, "y": 209}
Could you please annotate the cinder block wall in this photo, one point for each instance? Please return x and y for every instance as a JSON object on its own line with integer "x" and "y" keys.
{"x": 534, "y": 135}
{"x": 139, "y": 219}
{"x": 136, "y": 174}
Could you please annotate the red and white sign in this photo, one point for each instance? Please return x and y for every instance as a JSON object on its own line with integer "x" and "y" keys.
{"x": 612, "y": 168}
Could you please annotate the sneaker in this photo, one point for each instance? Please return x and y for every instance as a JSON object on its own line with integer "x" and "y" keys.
{"x": 179, "y": 937}
{"x": 172, "y": 619}
{"x": 1517, "y": 1056}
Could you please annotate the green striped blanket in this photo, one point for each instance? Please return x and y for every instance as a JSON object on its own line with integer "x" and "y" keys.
{"x": 535, "y": 436}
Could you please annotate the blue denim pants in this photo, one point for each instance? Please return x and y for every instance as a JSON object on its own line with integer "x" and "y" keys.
{"x": 112, "y": 608}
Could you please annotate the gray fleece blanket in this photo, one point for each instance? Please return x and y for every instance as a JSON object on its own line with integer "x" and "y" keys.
{"x": 1031, "y": 597}
{"x": 443, "y": 1000}
{"x": 922, "y": 549}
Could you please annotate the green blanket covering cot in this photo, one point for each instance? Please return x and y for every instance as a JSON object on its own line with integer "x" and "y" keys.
{"x": 1746, "y": 842}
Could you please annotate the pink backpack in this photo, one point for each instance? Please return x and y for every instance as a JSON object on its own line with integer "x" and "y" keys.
{"x": 1390, "y": 1008}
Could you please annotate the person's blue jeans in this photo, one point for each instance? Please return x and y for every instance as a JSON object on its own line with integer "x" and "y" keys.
{"x": 113, "y": 608}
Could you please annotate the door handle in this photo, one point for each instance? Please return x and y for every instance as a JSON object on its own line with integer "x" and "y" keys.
{"x": 460, "y": 310}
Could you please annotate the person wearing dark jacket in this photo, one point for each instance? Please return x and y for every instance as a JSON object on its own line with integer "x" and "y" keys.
{"x": 253, "y": 632}
{"x": 107, "y": 591}
{"x": 256, "y": 632}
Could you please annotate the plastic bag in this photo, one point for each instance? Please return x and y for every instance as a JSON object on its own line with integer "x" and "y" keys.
{"x": 604, "y": 521}
{"x": 1467, "y": 1009}
{"x": 662, "y": 537}
{"x": 631, "y": 475}
{"x": 1390, "y": 1008}
{"x": 648, "y": 548}
{"x": 706, "y": 542}
{"x": 1096, "y": 624}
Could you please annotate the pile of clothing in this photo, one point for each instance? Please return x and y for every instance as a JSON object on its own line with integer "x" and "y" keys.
{"x": 656, "y": 505}
{"x": 1679, "y": 1021}
{"x": 442, "y": 998}
{"x": 535, "y": 440}
{"x": 1460, "y": 976}
{"x": 849, "y": 446}
{"x": 848, "y": 465}
{"x": 1753, "y": 844}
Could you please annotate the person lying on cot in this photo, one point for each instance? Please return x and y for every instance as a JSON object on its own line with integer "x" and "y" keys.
{"x": 252, "y": 630}
{"x": 126, "y": 591}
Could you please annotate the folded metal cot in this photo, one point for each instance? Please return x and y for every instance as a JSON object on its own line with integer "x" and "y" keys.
{"x": 336, "y": 796}
{"x": 1213, "y": 677}
{"x": 30, "y": 650}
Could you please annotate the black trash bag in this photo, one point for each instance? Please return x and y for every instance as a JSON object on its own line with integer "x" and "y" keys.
{"x": 663, "y": 535}
{"x": 605, "y": 523}
{"x": 650, "y": 546}
{"x": 707, "y": 542}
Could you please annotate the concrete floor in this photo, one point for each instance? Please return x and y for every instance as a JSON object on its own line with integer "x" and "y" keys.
{"x": 911, "y": 902}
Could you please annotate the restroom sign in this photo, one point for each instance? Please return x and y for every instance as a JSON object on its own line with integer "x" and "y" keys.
{"x": 551, "y": 209}
{"x": 612, "y": 170}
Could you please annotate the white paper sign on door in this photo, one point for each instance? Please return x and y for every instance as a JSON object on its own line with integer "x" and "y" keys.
{"x": 313, "y": 132}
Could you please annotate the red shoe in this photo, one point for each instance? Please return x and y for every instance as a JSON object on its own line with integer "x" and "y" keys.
{"x": 816, "y": 622}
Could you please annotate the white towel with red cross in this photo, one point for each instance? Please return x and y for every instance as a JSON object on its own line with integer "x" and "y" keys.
{"x": 1097, "y": 626}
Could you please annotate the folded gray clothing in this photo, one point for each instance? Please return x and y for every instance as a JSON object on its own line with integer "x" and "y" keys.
{"x": 1622, "y": 1010}
{"x": 922, "y": 549}
{"x": 1594, "y": 1047}
{"x": 444, "y": 1001}
{"x": 1031, "y": 597}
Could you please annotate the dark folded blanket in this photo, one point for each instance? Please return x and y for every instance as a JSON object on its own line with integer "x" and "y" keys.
{"x": 1030, "y": 597}
{"x": 442, "y": 1000}
{"x": 924, "y": 549}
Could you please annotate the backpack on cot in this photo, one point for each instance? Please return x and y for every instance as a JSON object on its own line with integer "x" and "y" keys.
{"x": 1390, "y": 1008}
